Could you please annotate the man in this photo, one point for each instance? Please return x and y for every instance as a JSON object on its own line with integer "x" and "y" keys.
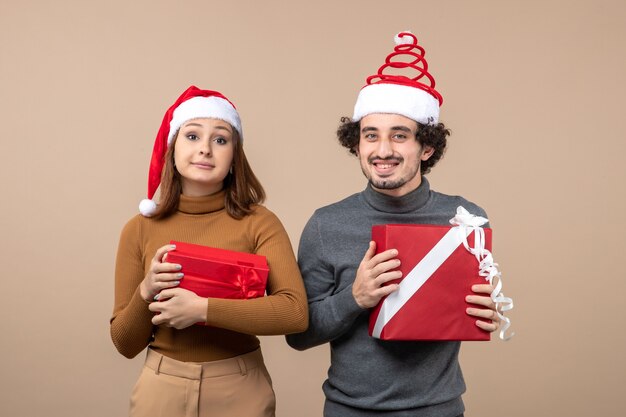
{"x": 397, "y": 138}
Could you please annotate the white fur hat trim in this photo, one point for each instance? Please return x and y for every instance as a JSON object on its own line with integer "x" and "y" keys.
{"x": 407, "y": 101}
{"x": 201, "y": 107}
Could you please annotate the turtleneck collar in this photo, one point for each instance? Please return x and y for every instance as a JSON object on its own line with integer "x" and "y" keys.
{"x": 412, "y": 201}
{"x": 202, "y": 205}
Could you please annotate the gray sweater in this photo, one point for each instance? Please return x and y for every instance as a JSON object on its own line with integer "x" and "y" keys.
{"x": 368, "y": 376}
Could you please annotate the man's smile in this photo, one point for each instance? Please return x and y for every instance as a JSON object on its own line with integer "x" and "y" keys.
{"x": 384, "y": 166}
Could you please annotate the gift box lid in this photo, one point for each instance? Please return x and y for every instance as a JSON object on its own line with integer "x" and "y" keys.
{"x": 191, "y": 250}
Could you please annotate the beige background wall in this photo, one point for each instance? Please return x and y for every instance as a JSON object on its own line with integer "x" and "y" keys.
{"x": 533, "y": 93}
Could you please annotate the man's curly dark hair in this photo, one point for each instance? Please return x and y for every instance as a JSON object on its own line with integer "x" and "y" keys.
{"x": 434, "y": 136}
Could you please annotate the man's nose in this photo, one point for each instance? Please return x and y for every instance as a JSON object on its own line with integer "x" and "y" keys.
{"x": 384, "y": 148}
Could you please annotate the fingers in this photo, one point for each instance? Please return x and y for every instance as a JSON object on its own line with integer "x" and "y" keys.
{"x": 162, "y": 281}
{"x": 375, "y": 271}
{"x": 159, "y": 306}
{"x": 162, "y": 251}
{"x": 164, "y": 274}
{"x": 489, "y": 319}
{"x": 482, "y": 313}
{"x": 164, "y": 295}
{"x": 382, "y": 267}
{"x": 384, "y": 278}
{"x": 370, "y": 259}
{"x": 159, "y": 268}
{"x": 482, "y": 288}
{"x": 369, "y": 253}
{"x": 379, "y": 268}
{"x": 481, "y": 301}
{"x": 382, "y": 258}
{"x": 178, "y": 308}
{"x": 161, "y": 275}
{"x": 159, "y": 318}
{"x": 487, "y": 326}
{"x": 385, "y": 290}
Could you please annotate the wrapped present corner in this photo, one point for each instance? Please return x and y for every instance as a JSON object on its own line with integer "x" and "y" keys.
{"x": 220, "y": 273}
{"x": 438, "y": 269}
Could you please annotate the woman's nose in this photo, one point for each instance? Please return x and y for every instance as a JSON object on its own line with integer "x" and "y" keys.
{"x": 205, "y": 147}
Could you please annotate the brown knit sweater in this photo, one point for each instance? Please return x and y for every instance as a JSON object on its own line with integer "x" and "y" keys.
{"x": 231, "y": 324}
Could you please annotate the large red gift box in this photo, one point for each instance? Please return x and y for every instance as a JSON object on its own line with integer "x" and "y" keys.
{"x": 437, "y": 274}
{"x": 220, "y": 273}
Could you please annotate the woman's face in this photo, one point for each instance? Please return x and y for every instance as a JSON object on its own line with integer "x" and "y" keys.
{"x": 203, "y": 154}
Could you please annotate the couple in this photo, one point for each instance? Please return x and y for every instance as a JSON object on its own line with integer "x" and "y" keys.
{"x": 210, "y": 196}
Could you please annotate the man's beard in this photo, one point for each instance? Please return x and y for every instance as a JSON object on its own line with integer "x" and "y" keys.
{"x": 386, "y": 184}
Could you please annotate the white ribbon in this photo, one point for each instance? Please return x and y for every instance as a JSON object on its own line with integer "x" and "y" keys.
{"x": 466, "y": 223}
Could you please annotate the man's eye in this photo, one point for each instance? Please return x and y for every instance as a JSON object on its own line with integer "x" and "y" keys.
{"x": 370, "y": 136}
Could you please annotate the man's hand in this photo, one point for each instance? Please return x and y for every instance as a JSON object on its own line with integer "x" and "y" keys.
{"x": 374, "y": 271}
{"x": 489, "y": 318}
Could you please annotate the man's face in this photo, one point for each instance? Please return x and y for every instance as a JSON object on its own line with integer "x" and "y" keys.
{"x": 390, "y": 155}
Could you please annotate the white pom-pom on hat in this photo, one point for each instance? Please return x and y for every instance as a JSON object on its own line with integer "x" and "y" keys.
{"x": 147, "y": 207}
{"x": 404, "y": 40}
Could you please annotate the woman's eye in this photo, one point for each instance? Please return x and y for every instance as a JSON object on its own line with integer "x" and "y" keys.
{"x": 191, "y": 136}
{"x": 221, "y": 141}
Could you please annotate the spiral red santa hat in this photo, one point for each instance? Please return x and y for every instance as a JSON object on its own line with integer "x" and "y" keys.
{"x": 413, "y": 95}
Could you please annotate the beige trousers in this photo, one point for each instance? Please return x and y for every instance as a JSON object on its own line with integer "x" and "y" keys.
{"x": 239, "y": 386}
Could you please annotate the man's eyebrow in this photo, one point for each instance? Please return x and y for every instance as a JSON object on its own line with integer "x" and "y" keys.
{"x": 402, "y": 128}
{"x": 375, "y": 129}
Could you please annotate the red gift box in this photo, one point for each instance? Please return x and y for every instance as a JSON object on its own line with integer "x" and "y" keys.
{"x": 437, "y": 274}
{"x": 220, "y": 273}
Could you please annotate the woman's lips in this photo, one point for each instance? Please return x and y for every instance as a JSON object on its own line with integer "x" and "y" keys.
{"x": 203, "y": 165}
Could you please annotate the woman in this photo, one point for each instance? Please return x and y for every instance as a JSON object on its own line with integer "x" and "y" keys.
{"x": 211, "y": 197}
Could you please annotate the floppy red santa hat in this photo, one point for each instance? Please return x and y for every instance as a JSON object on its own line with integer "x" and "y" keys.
{"x": 413, "y": 97}
{"x": 194, "y": 103}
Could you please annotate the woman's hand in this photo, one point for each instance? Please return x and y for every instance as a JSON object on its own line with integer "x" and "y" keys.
{"x": 161, "y": 275}
{"x": 488, "y": 316}
{"x": 178, "y": 308}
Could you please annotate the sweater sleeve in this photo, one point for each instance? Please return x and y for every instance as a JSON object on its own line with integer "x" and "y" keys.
{"x": 131, "y": 325}
{"x": 332, "y": 310}
{"x": 284, "y": 309}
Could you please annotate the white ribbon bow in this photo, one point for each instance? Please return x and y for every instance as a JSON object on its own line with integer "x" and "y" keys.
{"x": 486, "y": 267}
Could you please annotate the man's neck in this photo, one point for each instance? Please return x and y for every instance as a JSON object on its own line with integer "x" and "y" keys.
{"x": 405, "y": 203}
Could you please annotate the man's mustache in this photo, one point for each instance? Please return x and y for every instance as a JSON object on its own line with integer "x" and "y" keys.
{"x": 396, "y": 159}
